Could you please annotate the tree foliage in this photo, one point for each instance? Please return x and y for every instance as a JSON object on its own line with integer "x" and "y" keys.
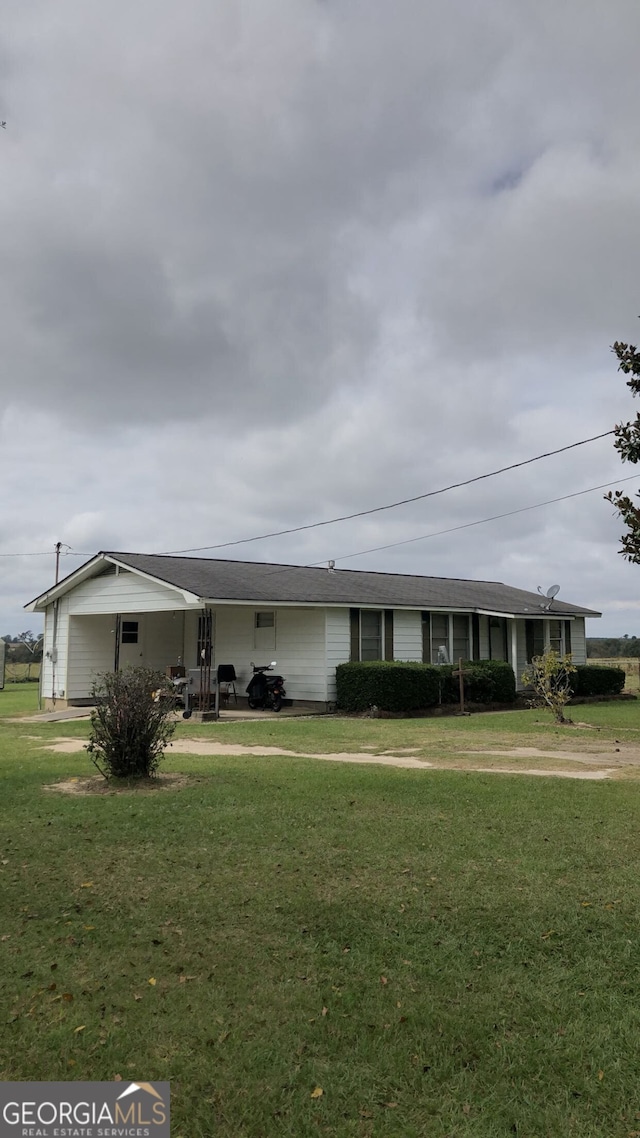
{"x": 131, "y": 724}
{"x": 627, "y": 443}
{"x": 612, "y": 647}
{"x": 550, "y": 677}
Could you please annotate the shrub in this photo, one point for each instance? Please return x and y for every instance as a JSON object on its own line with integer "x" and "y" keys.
{"x": 397, "y": 686}
{"x": 485, "y": 681}
{"x": 490, "y": 681}
{"x": 598, "y": 680}
{"x": 391, "y": 685}
{"x": 131, "y": 725}
{"x": 551, "y": 677}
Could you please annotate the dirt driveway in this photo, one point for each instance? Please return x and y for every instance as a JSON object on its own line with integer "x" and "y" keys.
{"x": 621, "y": 761}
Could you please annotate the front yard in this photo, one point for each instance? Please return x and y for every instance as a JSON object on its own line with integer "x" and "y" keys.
{"x": 309, "y": 948}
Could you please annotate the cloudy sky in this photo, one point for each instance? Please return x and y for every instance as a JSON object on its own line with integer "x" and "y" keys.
{"x": 267, "y": 262}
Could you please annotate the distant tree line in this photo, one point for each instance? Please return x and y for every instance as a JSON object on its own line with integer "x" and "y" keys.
{"x": 606, "y": 647}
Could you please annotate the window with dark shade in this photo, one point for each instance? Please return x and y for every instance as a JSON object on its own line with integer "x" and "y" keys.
{"x": 129, "y": 633}
{"x": 460, "y": 637}
{"x": 534, "y": 630}
{"x": 370, "y": 635}
{"x": 439, "y": 637}
{"x": 567, "y": 636}
{"x": 265, "y": 620}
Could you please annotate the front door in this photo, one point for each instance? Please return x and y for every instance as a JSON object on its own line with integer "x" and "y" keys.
{"x": 131, "y": 641}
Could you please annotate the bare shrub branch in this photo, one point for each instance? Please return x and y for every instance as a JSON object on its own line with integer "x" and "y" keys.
{"x": 550, "y": 677}
{"x": 131, "y": 724}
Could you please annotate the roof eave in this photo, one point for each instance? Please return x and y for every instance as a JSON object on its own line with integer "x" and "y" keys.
{"x": 83, "y": 573}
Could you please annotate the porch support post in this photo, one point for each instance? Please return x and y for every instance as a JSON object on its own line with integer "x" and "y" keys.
{"x": 514, "y": 649}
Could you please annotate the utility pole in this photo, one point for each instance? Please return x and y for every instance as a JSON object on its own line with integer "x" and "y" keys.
{"x": 58, "y": 548}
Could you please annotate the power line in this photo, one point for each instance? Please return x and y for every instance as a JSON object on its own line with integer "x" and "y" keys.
{"x": 380, "y": 509}
{"x": 480, "y": 522}
{"x": 47, "y": 553}
{"x": 391, "y": 505}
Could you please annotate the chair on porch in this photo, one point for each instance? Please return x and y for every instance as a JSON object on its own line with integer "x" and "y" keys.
{"x": 226, "y": 676}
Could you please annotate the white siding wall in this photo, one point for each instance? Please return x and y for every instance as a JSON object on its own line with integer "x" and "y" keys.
{"x": 123, "y": 592}
{"x": 234, "y": 643}
{"x": 54, "y": 673}
{"x": 407, "y": 635}
{"x": 91, "y": 651}
{"x": 578, "y": 641}
{"x": 299, "y": 650}
{"x": 190, "y": 658}
{"x": 338, "y": 641}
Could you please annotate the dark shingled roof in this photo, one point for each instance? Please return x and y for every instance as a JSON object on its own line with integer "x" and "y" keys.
{"x": 270, "y": 584}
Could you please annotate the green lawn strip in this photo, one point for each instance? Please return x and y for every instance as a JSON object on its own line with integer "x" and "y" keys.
{"x": 441, "y": 740}
{"x": 19, "y": 699}
{"x": 615, "y": 720}
{"x": 502, "y": 729}
{"x": 473, "y": 941}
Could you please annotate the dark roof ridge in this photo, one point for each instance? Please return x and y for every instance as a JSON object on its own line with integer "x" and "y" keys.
{"x": 289, "y": 565}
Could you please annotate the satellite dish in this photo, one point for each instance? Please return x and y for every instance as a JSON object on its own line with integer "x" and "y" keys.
{"x": 548, "y": 596}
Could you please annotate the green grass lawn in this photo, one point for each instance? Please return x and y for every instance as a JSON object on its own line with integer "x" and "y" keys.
{"x": 442, "y": 953}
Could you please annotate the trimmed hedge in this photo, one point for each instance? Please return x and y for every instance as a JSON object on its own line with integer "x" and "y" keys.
{"x": 398, "y": 686}
{"x": 485, "y": 681}
{"x": 597, "y": 680}
{"x": 389, "y": 685}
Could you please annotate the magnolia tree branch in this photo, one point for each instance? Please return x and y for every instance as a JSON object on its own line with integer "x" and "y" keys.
{"x": 627, "y": 443}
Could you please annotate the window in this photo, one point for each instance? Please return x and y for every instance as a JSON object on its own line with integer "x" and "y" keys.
{"x": 556, "y": 637}
{"x": 534, "y": 631}
{"x": 445, "y": 637}
{"x": 264, "y": 631}
{"x": 542, "y": 634}
{"x": 129, "y": 632}
{"x": 439, "y": 638}
{"x": 460, "y": 636}
{"x": 265, "y": 620}
{"x": 370, "y": 635}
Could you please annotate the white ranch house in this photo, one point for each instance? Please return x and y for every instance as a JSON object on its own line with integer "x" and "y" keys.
{"x": 128, "y": 608}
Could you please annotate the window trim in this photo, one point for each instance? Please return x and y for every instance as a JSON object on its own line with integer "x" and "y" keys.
{"x": 264, "y": 629}
{"x": 449, "y": 616}
{"x": 386, "y": 625}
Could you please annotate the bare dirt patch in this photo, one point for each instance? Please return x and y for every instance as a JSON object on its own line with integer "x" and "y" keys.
{"x": 211, "y": 747}
{"x": 96, "y": 784}
{"x": 618, "y": 762}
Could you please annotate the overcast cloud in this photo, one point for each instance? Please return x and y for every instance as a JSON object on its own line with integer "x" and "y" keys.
{"x": 264, "y": 263}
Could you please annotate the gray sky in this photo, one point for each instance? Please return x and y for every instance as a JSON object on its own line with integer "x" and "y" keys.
{"x": 268, "y": 262}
